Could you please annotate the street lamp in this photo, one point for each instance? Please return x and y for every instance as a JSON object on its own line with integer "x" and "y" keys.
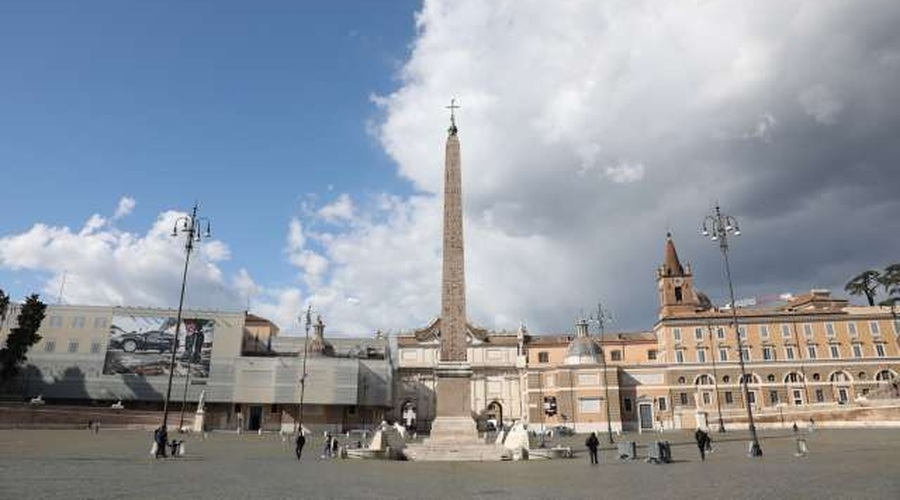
{"x": 306, "y": 323}
{"x": 190, "y": 226}
{"x": 718, "y": 227}
{"x": 712, "y": 354}
{"x": 602, "y": 317}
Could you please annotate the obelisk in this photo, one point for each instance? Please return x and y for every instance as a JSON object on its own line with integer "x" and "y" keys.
{"x": 453, "y": 420}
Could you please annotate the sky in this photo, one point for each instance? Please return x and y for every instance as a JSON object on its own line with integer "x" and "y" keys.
{"x": 312, "y": 137}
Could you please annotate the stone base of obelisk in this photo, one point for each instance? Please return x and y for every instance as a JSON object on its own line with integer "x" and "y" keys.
{"x": 454, "y": 436}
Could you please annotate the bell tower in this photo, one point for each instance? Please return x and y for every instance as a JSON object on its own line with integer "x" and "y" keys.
{"x": 675, "y": 284}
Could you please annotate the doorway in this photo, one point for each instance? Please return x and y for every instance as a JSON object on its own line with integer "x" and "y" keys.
{"x": 255, "y": 418}
{"x": 645, "y": 415}
{"x": 494, "y": 415}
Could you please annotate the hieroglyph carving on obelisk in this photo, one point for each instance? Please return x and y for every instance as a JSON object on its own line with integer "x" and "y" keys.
{"x": 453, "y": 292}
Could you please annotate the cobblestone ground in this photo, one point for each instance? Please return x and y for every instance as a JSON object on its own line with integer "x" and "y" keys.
{"x": 115, "y": 464}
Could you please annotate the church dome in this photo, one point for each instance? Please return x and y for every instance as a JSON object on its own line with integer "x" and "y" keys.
{"x": 582, "y": 350}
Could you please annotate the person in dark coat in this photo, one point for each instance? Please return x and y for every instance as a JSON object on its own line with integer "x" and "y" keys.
{"x": 592, "y": 444}
{"x": 702, "y": 438}
{"x": 301, "y": 441}
{"x": 161, "y": 436}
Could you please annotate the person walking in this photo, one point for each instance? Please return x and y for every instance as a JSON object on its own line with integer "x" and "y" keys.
{"x": 335, "y": 447}
{"x": 161, "y": 436}
{"x": 701, "y": 438}
{"x": 301, "y": 441}
{"x": 326, "y": 453}
{"x": 592, "y": 444}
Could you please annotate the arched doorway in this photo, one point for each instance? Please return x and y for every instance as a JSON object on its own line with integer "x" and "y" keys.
{"x": 494, "y": 415}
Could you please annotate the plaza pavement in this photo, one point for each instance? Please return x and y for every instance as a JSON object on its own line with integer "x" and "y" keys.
{"x": 35, "y": 464}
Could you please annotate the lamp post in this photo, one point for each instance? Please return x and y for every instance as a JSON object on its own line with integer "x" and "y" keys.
{"x": 306, "y": 323}
{"x": 190, "y": 226}
{"x": 718, "y": 227}
{"x": 712, "y": 354}
{"x": 602, "y": 317}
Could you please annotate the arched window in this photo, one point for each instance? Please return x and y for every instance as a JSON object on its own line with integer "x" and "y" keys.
{"x": 817, "y": 377}
{"x": 726, "y": 379}
{"x": 884, "y": 376}
{"x": 839, "y": 377}
{"x": 793, "y": 378}
{"x": 861, "y": 375}
{"x": 770, "y": 378}
{"x": 704, "y": 379}
{"x": 751, "y": 378}
{"x": 681, "y": 380}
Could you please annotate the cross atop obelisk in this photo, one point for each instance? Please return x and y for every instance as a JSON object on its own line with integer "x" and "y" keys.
{"x": 452, "y": 107}
{"x": 453, "y": 291}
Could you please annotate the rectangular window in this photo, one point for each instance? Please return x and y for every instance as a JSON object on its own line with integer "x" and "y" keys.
{"x": 742, "y": 332}
{"x": 729, "y": 398}
{"x": 679, "y": 356}
{"x": 100, "y": 323}
{"x": 49, "y": 345}
{"x": 879, "y": 350}
{"x": 820, "y": 396}
{"x": 764, "y": 331}
{"x": 857, "y": 350}
{"x": 720, "y": 333}
{"x": 543, "y": 357}
{"x": 773, "y": 397}
{"x": 807, "y": 330}
{"x": 745, "y": 354}
{"x": 767, "y": 354}
{"x": 811, "y": 352}
{"x": 661, "y": 402}
{"x": 897, "y": 326}
{"x": 55, "y": 322}
{"x": 723, "y": 354}
{"x": 616, "y": 355}
{"x": 78, "y": 322}
{"x": 785, "y": 331}
{"x": 789, "y": 352}
{"x": 835, "y": 351}
{"x": 683, "y": 397}
{"x": 73, "y": 346}
{"x": 873, "y": 327}
{"x": 706, "y": 398}
{"x": 751, "y": 397}
{"x": 589, "y": 405}
{"x": 698, "y": 333}
{"x": 627, "y": 403}
{"x": 829, "y": 330}
{"x": 549, "y": 380}
{"x": 651, "y": 354}
{"x": 95, "y": 347}
{"x": 701, "y": 355}
{"x": 676, "y": 334}
{"x": 851, "y": 329}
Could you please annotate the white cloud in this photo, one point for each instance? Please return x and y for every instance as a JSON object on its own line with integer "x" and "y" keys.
{"x": 341, "y": 209}
{"x": 107, "y": 266}
{"x": 125, "y": 206}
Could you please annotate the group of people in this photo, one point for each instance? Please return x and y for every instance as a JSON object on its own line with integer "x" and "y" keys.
{"x": 331, "y": 450}
{"x": 161, "y": 442}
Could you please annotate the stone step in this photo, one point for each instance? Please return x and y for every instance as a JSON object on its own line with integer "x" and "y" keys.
{"x": 456, "y": 453}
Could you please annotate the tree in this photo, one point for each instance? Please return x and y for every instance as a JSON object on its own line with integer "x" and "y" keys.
{"x": 4, "y": 306}
{"x": 21, "y": 337}
{"x": 865, "y": 283}
{"x": 890, "y": 280}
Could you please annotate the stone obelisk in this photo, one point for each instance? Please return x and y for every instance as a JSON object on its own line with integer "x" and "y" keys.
{"x": 453, "y": 420}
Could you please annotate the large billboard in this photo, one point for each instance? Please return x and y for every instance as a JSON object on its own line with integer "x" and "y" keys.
{"x": 143, "y": 345}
